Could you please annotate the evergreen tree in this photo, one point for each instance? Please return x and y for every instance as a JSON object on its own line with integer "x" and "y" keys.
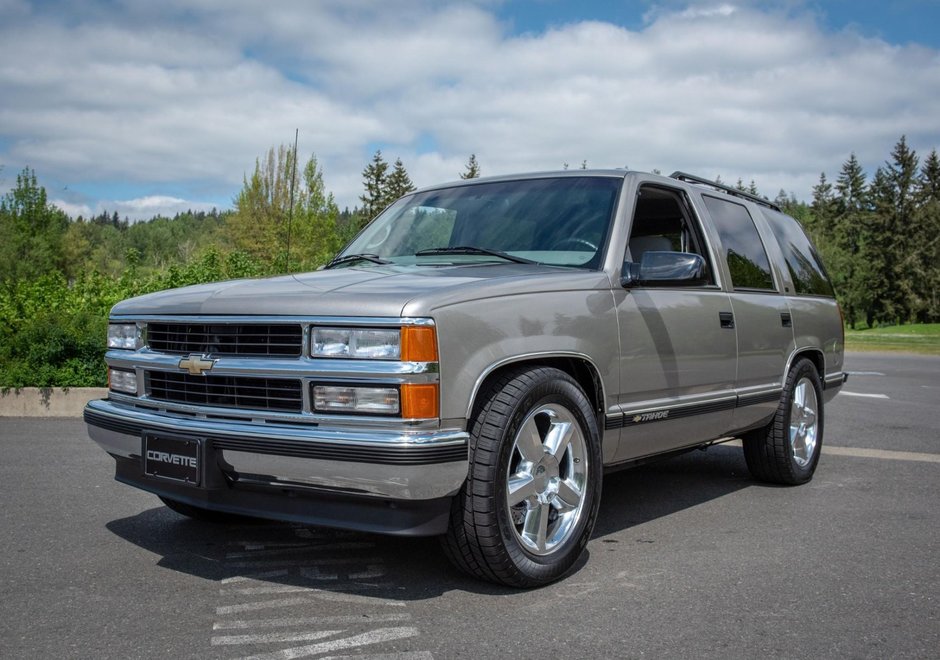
{"x": 898, "y": 234}
{"x": 374, "y": 180}
{"x": 473, "y": 169}
{"x": 32, "y": 230}
{"x": 847, "y": 251}
{"x": 926, "y": 261}
{"x": 398, "y": 183}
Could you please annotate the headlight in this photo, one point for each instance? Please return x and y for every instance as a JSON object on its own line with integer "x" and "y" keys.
{"x": 364, "y": 343}
{"x": 344, "y": 399}
{"x": 409, "y": 343}
{"x": 125, "y": 335}
{"x": 121, "y": 380}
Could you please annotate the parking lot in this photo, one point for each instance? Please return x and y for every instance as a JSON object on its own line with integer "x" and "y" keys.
{"x": 690, "y": 558}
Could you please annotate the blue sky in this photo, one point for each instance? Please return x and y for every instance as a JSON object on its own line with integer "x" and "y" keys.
{"x": 897, "y": 21}
{"x": 147, "y": 108}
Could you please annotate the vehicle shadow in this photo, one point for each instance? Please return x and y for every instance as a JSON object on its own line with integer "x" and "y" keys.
{"x": 271, "y": 559}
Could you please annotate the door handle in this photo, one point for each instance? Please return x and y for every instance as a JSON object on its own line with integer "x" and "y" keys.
{"x": 785, "y": 320}
{"x": 726, "y": 319}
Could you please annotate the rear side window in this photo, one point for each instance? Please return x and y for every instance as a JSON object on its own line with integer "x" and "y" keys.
{"x": 803, "y": 262}
{"x": 741, "y": 244}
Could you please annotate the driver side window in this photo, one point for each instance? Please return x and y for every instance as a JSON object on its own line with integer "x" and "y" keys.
{"x": 663, "y": 222}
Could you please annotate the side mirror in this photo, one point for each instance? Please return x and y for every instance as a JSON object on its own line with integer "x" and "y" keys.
{"x": 665, "y": 269}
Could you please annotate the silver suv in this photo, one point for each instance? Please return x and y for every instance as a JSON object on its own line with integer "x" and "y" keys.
{"x": 477, "y": 358}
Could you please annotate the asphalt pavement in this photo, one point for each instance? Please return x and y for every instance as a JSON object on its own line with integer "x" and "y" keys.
{"x": 691, "y": 558}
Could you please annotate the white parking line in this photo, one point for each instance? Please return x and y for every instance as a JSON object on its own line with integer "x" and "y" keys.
{"x": 286, "y": 622}
{"x": 864, "y": 373}
{"x": 372, "y": 637}
{"x": 867, "y": 396}
{"x": 888, "y": 454}
{"x": 267, "y": 638}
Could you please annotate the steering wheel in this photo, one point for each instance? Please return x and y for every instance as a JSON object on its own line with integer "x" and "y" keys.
{"x": 575, "y": 241}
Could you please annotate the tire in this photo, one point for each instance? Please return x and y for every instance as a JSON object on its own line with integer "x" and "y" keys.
{"x": 528, "y": 506}
{"x": 203, "y": 515}
{"x": 787, "y": 450}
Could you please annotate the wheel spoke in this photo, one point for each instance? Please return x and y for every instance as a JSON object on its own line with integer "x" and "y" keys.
{"x": 809, "y": 416}
{"x": 521, "y": 486}
{"x": 799, "y": 396}
{"x": 535, "y": 527}
{"x": 529, "y": 441}
{"x": 558, "y": 438}
{"x": 569, "y": 496}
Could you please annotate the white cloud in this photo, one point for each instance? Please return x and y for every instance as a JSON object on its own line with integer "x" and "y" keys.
{"x": 142, "y": 208}
{"x": 173, "y": 96}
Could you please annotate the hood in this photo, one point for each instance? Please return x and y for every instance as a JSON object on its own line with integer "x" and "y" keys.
{"x": 360, "y": 291}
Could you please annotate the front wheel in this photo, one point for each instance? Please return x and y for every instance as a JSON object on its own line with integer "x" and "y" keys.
{"x": 786, "y": 451}
{"x": 528, "y": 507}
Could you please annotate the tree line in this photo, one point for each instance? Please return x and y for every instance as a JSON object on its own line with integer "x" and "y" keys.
{"x": 879, "y": 235}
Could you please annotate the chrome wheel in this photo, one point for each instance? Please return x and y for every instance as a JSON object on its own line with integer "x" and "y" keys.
{"x": 803, "y": 422}
{"x": 546, "y": 479}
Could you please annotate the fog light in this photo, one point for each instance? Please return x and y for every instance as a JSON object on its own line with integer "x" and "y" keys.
{"x": 363, "y": 400}
{"x": 120, "y": 380}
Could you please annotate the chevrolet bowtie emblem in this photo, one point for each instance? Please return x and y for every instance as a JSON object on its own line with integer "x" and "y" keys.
{"x": 196, "y": 364}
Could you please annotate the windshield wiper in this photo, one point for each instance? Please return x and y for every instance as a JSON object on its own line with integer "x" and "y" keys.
{"x": 374, "y": 258}
{"x": 469, "y": 249}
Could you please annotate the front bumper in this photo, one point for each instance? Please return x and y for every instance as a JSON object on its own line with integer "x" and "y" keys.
{"x": 352, "y": 478}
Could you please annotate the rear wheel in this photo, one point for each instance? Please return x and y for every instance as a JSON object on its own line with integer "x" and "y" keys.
{"x": 528, "y": 506}
{"x": 786, "y": 451}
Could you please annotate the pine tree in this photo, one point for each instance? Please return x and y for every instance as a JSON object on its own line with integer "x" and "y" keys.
{"x": 374, "y": 180}
{"x": 473, "y": 169}
{"x": 847, "y": 253}
{"x": 398, "y": 183}
{"x": 31, "y": 231}
{"x": 926, "y": 258}
{"x": 900, "y": 233}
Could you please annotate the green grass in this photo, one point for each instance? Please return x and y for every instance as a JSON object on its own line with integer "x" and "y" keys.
{"x": 922, "y": 338}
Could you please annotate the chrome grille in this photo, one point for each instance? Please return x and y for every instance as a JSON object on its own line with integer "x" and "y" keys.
{"x": 246, "y": 392}
{"x": 259, "y": 339}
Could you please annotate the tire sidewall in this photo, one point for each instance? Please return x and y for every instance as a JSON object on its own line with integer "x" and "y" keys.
{"x": 803, "y": 369}
{"x": 562, "y": 391}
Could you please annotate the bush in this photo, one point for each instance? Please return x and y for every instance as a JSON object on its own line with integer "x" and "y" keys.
{"x": 53, "y": 331}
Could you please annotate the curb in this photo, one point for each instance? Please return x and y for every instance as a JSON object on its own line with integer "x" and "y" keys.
{"x": 48, "y": 401}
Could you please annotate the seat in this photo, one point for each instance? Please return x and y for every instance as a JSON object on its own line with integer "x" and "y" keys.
{"x": 641, "y": 244}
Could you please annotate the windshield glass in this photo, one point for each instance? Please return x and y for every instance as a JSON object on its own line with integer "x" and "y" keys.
{"x": 560, "y": 221}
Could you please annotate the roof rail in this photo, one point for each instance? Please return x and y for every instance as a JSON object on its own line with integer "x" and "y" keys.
{"x": 691, "y": 178}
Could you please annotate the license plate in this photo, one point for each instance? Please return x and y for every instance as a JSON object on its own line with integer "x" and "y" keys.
{"x": 172, "y": 458}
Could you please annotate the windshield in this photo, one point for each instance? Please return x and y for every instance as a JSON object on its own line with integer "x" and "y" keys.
{"x": 560, "y": 221}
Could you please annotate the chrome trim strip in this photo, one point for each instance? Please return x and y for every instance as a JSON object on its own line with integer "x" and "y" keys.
{"x": 312, "y": 320}
{"x": 672, "y": 409}
{"x": 688, "y": 401}
{"x": 404, "y": 372}
{"x": 190, "y": 411}
{"x": 528, "y": 356}
{"x": 358, "y": 437}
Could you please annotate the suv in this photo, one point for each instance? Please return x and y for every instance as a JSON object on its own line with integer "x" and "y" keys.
{"x": 477, "y": 358}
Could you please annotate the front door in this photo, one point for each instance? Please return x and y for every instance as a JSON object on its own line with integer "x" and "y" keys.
{"x": 678, "y": 346}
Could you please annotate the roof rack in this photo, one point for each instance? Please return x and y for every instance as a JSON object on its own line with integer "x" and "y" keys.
{"x": 691, "y": 178}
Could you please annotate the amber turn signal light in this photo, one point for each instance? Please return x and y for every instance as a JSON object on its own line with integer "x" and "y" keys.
{"x": 418, "y": 344}
{"x": 419, "y": 401}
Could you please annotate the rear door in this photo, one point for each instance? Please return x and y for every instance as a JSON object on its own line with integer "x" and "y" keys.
{"x": 762, "y": 315}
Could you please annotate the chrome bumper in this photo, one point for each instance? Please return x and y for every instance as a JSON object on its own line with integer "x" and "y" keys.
{"x": 392, "y": 464}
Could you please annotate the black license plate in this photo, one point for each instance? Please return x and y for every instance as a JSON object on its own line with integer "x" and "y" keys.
{"x": 172, "y": 458}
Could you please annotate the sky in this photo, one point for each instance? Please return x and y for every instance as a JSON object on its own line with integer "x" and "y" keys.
{"x": 148, "y": 108}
